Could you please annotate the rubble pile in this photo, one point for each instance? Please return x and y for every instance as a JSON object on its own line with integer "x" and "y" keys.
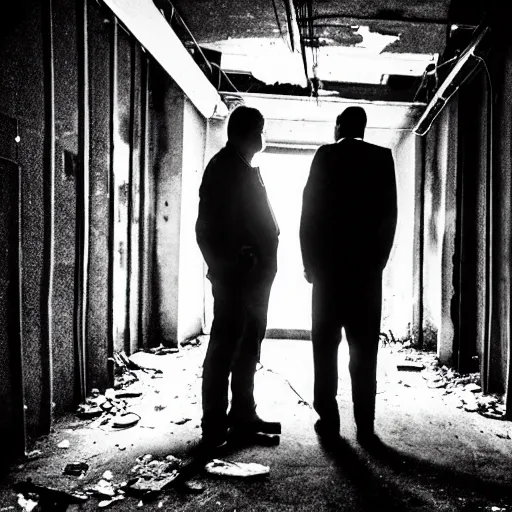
{"x": 464, "y": 391}
{"x": 154, "y": 474}
{"x": 108, "y": 409}
{"x": 107, "y": 490}
{"x": 111, "y": 408}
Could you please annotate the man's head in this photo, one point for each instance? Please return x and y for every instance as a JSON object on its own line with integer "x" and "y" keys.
{"x": 350, "y": 123}
{"x": 245, "y": 129}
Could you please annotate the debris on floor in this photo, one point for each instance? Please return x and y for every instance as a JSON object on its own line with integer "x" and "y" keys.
{"x": 106, "y": 490}
{"x": 236, "y": 469}
{"x": 153, "y": 474}
{"x": 34, "y": 454}
{"x": 76, "y": 469}
{"x": 64, "y": 444}
{"x": 180, "y": 420}
{"x": 464, "y": 391}
{"x": 28, "y": 503}
{"x": 193, "y": 342}
{"x": 111, "y": 408}
{"x": 410, "y": 366}
{"x": 125, "y": 420}
{"x": 49, "y": 498}
{"x": 111, "y": 411}
{"x": 161, "y": 350}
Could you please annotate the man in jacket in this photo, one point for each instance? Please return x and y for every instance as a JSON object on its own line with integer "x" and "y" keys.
{"x": 238, "y": 237}
{"x": 348, "y": 224}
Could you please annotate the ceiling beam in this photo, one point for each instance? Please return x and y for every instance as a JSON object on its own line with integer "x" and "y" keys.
{"x": 151, "y": 29}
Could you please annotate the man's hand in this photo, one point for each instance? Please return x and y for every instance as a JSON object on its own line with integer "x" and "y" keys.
{"x": 307, "y": 276}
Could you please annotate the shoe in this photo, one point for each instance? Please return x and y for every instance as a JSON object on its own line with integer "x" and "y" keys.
{"x": 255, "y": 425}
{"x": 368, "y": 439}
{"x": 213, "y": 441}
{"x": 326, "y": 429}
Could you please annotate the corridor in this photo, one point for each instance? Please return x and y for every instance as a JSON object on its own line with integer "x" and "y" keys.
{"x": 438, "y": 457}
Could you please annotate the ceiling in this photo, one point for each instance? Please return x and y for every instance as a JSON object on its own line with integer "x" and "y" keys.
{"x": 375, "y": 50}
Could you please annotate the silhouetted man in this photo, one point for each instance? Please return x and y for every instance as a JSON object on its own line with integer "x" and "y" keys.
{"x": 348, "y": 224}
{"x": 238, "y": 236}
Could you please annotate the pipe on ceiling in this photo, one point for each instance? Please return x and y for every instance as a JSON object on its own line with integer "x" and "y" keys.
{"x": 450, "y": 85}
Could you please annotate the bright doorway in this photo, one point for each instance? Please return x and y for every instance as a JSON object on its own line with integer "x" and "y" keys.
{"x": 285, "y": 172}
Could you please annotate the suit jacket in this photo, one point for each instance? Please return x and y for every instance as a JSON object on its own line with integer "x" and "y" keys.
{"x": 235, "y": 221}
{"x": 349, "y": 210}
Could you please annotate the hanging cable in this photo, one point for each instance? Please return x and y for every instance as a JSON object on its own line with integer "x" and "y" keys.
{"x": 225, "y": 76}
{"x": 279, "y": 26}
{"x": 446, "y": 100}
{"x": 175, "y": 13}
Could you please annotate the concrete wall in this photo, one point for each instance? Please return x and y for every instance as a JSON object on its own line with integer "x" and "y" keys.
{"x": 439, "y": 232}
{"x": 191, "y": 276}
{"x": 22, "y": 58}
{"x": 62, "y": 105}
{"x": 179, "y": 270}
{"x": 168, "y": 165}
{"x": 397, "y": 308}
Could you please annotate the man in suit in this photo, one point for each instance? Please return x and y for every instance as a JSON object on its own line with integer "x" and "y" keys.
{"x": 238, "y": 237}
{"x": 348, "y": 223}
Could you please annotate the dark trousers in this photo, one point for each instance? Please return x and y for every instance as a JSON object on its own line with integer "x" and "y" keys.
{"x": 354, "y": 304}
{"x": 238, "y": 328}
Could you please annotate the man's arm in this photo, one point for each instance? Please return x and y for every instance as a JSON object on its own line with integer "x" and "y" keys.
{"x": 309, "y": 217}
{"x": 216, "y": 227}
{"x": 389, "y": 210}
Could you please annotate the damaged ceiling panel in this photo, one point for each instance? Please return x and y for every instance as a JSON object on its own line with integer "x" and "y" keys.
{"x": 218, "y": 20}
{"x": 346, "y": 47}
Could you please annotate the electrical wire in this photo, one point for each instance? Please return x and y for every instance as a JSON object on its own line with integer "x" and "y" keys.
{"x": 279, "y": 26}
{"x": 433, "y": 72}
{"x": 176, "y": 14}
{"x": 441, "y": 65}
{"x": 446, "y": 100}
{"x": 225, "y": 76}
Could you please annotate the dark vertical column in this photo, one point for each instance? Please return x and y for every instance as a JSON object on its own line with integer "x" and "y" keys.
{"x": 12, "y": 424}
{"x": 133, "y": 292}
{"x": 500, "y": 350}
{"x": 112, "y": 182}
{"x": 489, "y": 237}
{"x": 472, "y": 228}
{"x": 121, "y": 122}
{"x": 46, "y": 291}
{"x": 67, "y": 209}
{"x": 82, "y": 248}
{"x": 98, "y": 316}
{"x": 418, "y": 243}
{"x": 146, "y": 215}
{"x": 499, "y": 347}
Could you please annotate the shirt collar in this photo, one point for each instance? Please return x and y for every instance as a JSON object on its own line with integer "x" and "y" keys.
{"x": 343, "y": 138}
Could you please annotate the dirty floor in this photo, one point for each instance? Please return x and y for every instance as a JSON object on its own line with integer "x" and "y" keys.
{"x": 437, "y": 455}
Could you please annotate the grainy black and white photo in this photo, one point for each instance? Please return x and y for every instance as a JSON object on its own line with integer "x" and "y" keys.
{"x": 255, "y": 255}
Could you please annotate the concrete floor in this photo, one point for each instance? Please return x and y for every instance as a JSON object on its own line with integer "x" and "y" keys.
{"x": 438, "y": 457}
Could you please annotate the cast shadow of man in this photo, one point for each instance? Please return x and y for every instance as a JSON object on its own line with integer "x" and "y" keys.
{"x": 386, "y": 478}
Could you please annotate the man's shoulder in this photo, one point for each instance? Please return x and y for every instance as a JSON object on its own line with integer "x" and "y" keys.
{"x": 221, "y": 157}
{"x": 225, "y": 162}
{"x": 368, "y": 146}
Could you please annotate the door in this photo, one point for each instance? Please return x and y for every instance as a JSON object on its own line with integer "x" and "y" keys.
{"x": 285, "y": 172}
{"x": 12, "y": 429}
